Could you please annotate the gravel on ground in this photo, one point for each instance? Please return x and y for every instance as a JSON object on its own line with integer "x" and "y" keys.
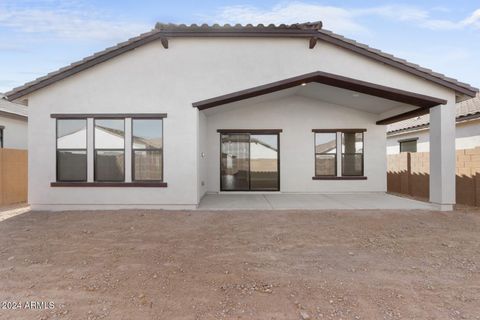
{"x": 138, "y": 264}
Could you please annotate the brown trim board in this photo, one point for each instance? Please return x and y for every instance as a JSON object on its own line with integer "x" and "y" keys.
{"x": 254, "y": 131}
{"x": 346, "y": 130}
{"x": 111, "y": 184}
{"x": 108, "y": 115}
{"x": 404, "y": 116}
{"x": 330, "y": 79}
{"x": 339, "y": 178}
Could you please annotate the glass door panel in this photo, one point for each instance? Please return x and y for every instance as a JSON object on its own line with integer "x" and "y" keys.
{"x": 235, "y": 156}
{"x": 264, "y": 162}
{"x": 249, "y": 162}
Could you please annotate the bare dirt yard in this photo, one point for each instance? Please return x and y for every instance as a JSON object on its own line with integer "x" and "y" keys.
{"x": 241, "y": 265}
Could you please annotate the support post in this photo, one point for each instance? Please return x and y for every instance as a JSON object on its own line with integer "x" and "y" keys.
{"x": 442, "y": 155}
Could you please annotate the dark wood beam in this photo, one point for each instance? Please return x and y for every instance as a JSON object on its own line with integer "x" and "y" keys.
{"x": 333, "y": 80}
{"x": 404, "y": 116}
{"x": 164, "y": 42}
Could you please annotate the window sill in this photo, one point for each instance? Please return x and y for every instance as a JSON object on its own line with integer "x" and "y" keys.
{"x": 339, "y": 178}
{"x": 110, "y": 184}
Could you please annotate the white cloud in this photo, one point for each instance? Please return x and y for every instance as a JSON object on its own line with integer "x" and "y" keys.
{"x": 473, "y": 20}
{"x": 340, "y": 19}
{"x": 64, "y": 20}
{"x": 336, "y": 18}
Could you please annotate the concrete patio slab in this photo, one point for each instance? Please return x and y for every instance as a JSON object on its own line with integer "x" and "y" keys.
{"x": 279, "y": 201}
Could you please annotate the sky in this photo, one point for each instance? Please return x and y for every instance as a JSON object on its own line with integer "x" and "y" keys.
{"x": 37, "y": 37}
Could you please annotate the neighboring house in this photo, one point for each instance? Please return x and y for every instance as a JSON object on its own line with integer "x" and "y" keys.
{"x": 13, "y": 125}
{"x": 413, "y": 135}
{"x": 196, "y": 109}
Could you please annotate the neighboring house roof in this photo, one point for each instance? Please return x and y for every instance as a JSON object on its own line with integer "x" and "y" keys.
{"x": 312, "y": 31}
{"x": 13, "y": 109}
{"x": 326, "y": 147}
{"x": 465, "y": 110}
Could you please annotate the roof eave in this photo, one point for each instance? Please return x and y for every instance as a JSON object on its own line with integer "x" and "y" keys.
{"x": 13, "y": 115}
{"x": 311, "y": 31}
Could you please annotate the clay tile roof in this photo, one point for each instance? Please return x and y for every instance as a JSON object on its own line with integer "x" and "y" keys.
{"x": 399, "y": 60}
{"x": 467, "y": 109}
{"x": 307, "y": 26}
{"x": 311, "y": 30}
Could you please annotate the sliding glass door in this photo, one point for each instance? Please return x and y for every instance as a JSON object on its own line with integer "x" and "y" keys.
{"x": 235, "y": 162}
{"x": 249, "y": 162}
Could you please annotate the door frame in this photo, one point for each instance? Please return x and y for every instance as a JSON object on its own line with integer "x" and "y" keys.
{"x": 250, "y": 132}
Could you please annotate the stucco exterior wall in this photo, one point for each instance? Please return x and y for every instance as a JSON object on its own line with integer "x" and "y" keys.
{"x": 203, "y": 158}
{"x": 151, "y": 79}
{"x": 15, "y": 134}
{"x": 467, "y": 136}
{"x": 297, "y": 116}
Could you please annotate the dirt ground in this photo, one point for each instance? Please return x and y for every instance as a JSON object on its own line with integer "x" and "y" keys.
{"x": 241, "y": 265}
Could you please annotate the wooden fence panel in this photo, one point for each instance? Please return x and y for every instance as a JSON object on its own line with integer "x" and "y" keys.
{"x": 13, "y": 176}
{"x": 409, "y": 173}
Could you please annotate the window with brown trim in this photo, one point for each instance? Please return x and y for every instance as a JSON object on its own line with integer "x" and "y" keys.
{"x": 71, "y": 150}
{"x": 352, "y": 153}
{"x": 325, "y": 154}
{"x": 109, "y": 150}
{"x": 409, "y": 145}
{"x": 147, "y": 149}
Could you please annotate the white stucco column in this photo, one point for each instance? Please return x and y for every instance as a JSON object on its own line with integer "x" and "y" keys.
{"x": 442, "y": 155}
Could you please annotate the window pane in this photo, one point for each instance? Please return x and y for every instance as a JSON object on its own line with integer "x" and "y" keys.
{"x": 72, "y": 165}
{"x": 325, "y": 164}
{"x": 148, "y": 165}
{"x": 263, "y": 162}
{"x": 352, "y": 164}
{"x": 326, "y": 143}
{"x": 235, "y": 161}
{"x": 408, "y": 146}
{"x": 109, "y": 165}
{"x": 109, "y": 134}
{"x": 72, "y": 134}
{"x": 147, "y": 133}
{"x": 352, "y": 153}
{"x": 352, "y": 142}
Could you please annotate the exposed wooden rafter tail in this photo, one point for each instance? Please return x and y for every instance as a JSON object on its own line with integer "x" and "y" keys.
{"x": 164, "y": 42}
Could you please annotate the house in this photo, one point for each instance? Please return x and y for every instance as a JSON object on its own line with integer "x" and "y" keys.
{"x": 228, "y": 109}
{"x": 13, "y": 124}
{"x": 412, "y": 135}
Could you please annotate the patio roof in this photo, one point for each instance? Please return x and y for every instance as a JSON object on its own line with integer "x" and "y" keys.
{"x": 465, "y": 111}
{"x": 423, "y": 102}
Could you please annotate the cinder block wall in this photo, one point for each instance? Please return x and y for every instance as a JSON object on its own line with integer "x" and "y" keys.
{"x": 13, "y": 176}
{"x": 408, "y": 173}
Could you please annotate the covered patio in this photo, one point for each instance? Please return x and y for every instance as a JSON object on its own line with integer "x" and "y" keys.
{"x": 320, "y": 140}
{"x": 337, "y": 201}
